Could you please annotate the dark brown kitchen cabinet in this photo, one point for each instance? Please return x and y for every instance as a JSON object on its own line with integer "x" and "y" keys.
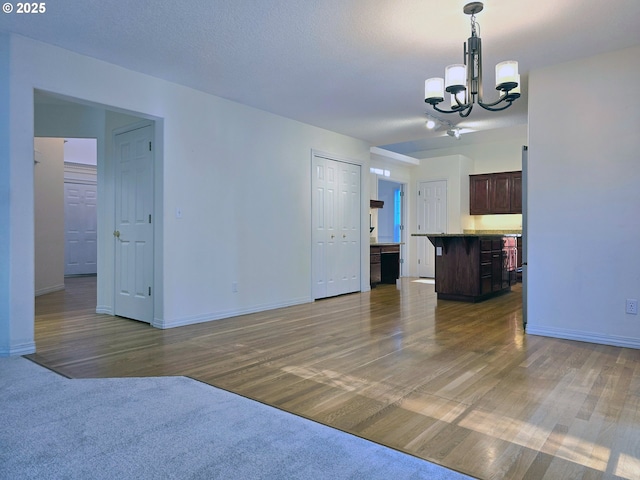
{"x": 516, "y": 192}
{"x": 495, "y": 193}
{"x": 479, "y": 194}
{"x": 384, "y": 263}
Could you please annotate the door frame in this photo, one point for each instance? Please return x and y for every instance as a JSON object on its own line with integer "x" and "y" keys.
{"x": 403, "y": 219}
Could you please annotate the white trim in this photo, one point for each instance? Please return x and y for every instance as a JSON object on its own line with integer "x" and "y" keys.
{"x": 79, "y": 173}
{"x": 105, "y": 309}
{"x": 18, "y": 350}
{"x": 207, "y": 317}
{"x": 581, "y": 336}
{"x": 54, "y": 288}
{"x": 337, "y": 158}
{"x": 133, "y": 126}
{"x": 378, "y": 153}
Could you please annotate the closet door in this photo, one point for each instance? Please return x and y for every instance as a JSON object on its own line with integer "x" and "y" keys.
{"x": 336, "y": 227}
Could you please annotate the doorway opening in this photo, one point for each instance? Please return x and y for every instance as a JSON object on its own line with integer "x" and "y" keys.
{"x": 59, "y": 117}
{"x": 80, "y": 206}
{"x": 391, "y": 218}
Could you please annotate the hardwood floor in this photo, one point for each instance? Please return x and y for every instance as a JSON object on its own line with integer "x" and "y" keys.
{"x": 454, "y": 383}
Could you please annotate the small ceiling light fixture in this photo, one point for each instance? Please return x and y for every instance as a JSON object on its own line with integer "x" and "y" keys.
{"x": 454, "y": 132}
{"x": 464, "y": 82}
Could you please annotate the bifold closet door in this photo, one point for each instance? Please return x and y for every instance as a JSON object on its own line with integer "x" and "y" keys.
{"x": 336, "y": 227}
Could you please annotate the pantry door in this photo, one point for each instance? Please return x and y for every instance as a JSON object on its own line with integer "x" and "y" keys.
{"x": 432, "y": 218}
{"x": 336, "y": 227}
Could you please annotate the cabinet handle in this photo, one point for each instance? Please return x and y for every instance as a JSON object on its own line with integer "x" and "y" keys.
{"x": 333, "y": 236}
{"x": 344, "y": 236}
{"x": 116, "y": 233}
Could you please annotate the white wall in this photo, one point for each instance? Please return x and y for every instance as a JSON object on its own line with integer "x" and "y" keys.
{"x": 81, "y": 150}
{"x": 584, "y": 199}
{"x": 489, "y": 157}
{"x": 49, "y": 215}
{"x": 241, "y": 176}
{"x": 16, "y": 244}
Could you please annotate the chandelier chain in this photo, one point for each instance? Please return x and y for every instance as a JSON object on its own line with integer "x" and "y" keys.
{"x": 474, "y": 24}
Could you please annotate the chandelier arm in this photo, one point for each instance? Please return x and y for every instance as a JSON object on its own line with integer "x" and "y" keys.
{"x": 490, "y": 106}
{"x": 457, "y": 110}
{"x": 464, "y": 115}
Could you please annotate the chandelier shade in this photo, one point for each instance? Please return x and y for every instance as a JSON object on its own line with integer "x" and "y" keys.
{"x": 464, "y": 81}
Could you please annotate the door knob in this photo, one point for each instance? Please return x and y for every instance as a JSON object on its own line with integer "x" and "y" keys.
{"x": 116, "y": 233}
{"x": 344, "y": 236}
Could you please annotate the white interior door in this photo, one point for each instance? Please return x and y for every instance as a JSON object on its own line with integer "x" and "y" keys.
{"x": 432, "y": 218}
{"x": 349, "y": 214}
{"x": 134, "y": 229}
{"x": 80, "y": 229}
{"x": 336, "y": 227}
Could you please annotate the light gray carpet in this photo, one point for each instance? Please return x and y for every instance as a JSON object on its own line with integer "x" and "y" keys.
{"x": 172, "y": 427}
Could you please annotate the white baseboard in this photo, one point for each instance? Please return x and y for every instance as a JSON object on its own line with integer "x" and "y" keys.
{"x": 106, "y": 309}
{"x": 54, "y": 288}
{"x": 17, "y": 350}
{"x": 581, "y": 336}
{"x": 181, "y": 322}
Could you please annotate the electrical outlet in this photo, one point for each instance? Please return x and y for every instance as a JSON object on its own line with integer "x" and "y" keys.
{"x": 234, "y": 287}
{"x": 632, "y": 306}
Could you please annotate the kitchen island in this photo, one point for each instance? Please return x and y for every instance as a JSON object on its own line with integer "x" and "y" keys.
{"x": 472, "y": 267}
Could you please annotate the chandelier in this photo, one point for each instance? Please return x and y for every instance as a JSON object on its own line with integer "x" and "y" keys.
{"x": 464, "y": 81}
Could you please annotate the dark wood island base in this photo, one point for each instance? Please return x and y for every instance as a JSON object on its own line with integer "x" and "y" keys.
{"x": 473, "y": 268}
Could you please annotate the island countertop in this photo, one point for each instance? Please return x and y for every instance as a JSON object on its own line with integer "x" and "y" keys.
{"x": 478, "y": 233}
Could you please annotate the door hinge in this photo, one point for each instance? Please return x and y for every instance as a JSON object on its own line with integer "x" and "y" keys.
{"x": 149, "y": 146}
{"x": 402, "y": 260}
{"x": 418, "y": 227}
{"x": 401, "y": 227}
{"x": 418, "y": 261}
{"x": 149, "y": 218}
{"x": 419, "y": 193}
{"x": 149, "y": 291}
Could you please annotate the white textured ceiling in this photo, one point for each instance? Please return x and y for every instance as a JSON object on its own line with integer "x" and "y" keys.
{"x": 352, "y": 66}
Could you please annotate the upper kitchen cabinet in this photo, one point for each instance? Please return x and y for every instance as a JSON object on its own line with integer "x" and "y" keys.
{"x": 495, "y": 193}
{"x": 479, "y": 194}
{"x": 516, "y": 192}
